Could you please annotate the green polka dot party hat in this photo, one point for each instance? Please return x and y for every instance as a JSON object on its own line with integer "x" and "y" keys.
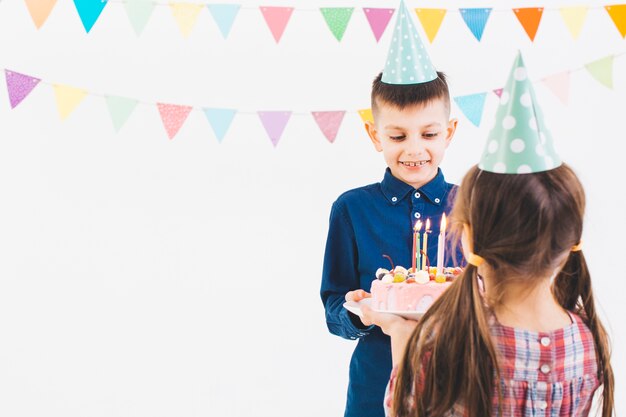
{"x": 519, "y": 143}
{"x": 407, "y": 60}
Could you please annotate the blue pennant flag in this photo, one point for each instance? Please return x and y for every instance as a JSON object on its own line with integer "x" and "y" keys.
{"x": 224, "y": 15}
{"x": 89, "y": 11}
{"x": 472, "y": 106}
{"x": 476, "y": 19}
{"x": 220, "y": 120}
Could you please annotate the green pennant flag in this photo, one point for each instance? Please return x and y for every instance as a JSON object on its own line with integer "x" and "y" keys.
{"x": 602, "y": 70}
{"x": 337, "y": 19}
{"x": 139, "y": 12}
{"x": 120, "y": 109}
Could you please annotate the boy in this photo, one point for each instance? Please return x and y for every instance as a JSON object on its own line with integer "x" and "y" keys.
{"x": 412, "y": 129}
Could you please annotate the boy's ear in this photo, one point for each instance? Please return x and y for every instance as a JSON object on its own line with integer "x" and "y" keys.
{"x": 451, "y": 130}
{"x": 373, "y": 134}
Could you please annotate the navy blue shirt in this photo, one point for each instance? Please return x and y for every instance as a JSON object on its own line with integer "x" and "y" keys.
{"x": 366, "y": 223}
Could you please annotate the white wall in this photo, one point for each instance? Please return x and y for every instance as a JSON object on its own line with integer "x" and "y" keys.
{"x": 146, "y": 277}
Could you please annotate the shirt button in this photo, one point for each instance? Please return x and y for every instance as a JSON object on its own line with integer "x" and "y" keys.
{"x": 437, "y": 200}
{"x": 417, "y": 215}
{"x": 417, "y": 195}
{"x": 545, "y": 341}
{"x": 543, "y": 405}
{"x": 545, "y": 368}
{"x": 394, "y": 199}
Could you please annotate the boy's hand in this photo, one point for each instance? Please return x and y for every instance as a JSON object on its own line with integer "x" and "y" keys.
{"x": 357, "y": 295}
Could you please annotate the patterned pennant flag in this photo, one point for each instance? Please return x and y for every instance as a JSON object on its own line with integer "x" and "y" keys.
{"x": 173, "y": 117}
{"x": 529, "y": 17}
{"x": 276, "y": 19}
{"x": 329, "y": 122}
{"x": 220, "y": 120}
{"x": 602, "y": 70}
{"x": 378, "y": 20}
{"x": 618, "y": 15}
{"x": 224, "y": 15}
{"x": 366, "y": 115}
{"x": 472, "y": 106}
{"x": 139, "y": 12}
{"x": 574, "y": 17}
{"x": 498, "y": 92}
{"x": 476, "y": 19}
{"x": 120, "y": 109}
{"x": 559, "y": 85}
{"x": 274, "y": 123}
{"x": 89, "y": 11}
{"x": 337, "y": 19}
{"x": 67, "y": 98}
{"x": 431, "y": 21}
{"x": 39, "y": 10}
{"x": 186, "y": 15}
{"x": 19, "y": 86}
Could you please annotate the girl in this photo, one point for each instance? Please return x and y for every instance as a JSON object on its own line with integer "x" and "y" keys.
{"x": 531, "y": 342}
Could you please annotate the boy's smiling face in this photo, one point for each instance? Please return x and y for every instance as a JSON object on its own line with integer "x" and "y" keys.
{"x": 413, "y": 140}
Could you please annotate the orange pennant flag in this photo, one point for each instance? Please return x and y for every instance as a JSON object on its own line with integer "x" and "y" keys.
{"x": 618, "y": 15}
{"x": 529, "y": 17}
{"x": 431, "y": 21}
{"x": 366, "y": 115}
{"x": 39, "y": 10}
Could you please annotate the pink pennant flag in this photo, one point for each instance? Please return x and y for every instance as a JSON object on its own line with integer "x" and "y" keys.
{"x": 173, "y": 117}
{"x": 378, "y": 20}
{"x": 19, "y": 86}
{"x": 559, "y": 85}
{"x": 329, "y": 122}
{"x": 498, "y": 92}
{"x": 274, "y": 123}
{"x": 276, "y": 19}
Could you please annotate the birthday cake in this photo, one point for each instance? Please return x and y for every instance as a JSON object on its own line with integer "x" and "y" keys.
{"x": 403, "y": 290}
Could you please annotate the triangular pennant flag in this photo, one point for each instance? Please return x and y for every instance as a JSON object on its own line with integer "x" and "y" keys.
{"x": 89, "y": 11}
{"x": 224, "y": 15}
{"x": 120, "y": 109}
{"x": 498, "y": 92}
{"x": 39, "y": 10}
{"x": 220, "y": 120}
{"x": 472, "y": 106}
{"x": 378, "y": 20}
{"x": 366, "y": 115}
{"x": 602, "y": 70}
{"x": 186, "y": 15}
{"x": 337, "y": 19}
{"x": 529, "y": 17}
{"x": 276, "y": 19}
{"x": 274, "y": 123}
{"x": 19, "y": 86}
{"x": 329, "y": 122}
{"x": 173, "y": 117}
{"x": 618, "y": 15}
{"x": 574, "y": 17}
{"x": 139, "y": 12}
{"x": 476, "y": 19}
{"x": 67, "y": 98}
{"x": 431, "y": 21}
{"x": 520, "y": 142}
{"x": 559, "y": 85}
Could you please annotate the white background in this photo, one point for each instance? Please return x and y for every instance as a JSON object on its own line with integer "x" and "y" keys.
{"x": 146, "y": 277}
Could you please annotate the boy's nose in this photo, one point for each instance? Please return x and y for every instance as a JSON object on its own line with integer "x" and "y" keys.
{"x": 414, "y": 146}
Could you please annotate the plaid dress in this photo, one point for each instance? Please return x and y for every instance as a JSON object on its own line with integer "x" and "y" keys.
{"x": 542, "y": 373}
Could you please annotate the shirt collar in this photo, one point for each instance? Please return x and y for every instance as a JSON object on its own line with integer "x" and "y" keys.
{"x": 395, "y": 190}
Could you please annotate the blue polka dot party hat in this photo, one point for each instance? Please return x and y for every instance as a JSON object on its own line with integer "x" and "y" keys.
{"x": 407, "y": 60}
{"x": 519, "y": 143}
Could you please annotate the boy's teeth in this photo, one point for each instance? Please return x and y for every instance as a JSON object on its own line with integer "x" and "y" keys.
{"x": 414, "y": 164}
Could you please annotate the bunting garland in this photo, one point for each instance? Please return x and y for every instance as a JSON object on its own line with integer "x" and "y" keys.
{"x": 173, "y": 116}
{"x": 337, "y": 19}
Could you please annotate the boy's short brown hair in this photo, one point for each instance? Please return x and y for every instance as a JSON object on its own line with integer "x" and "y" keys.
{"x": 402, "y": 96}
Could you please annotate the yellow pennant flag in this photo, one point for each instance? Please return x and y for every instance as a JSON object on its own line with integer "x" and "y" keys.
{"x": 366, "y": 115}
{"x": 574, "y": 17}
{"x": 186, "y": 15}
{"x": 39, "y": 10}
{"x": 431, "y": 21}
{"x": 618, "y": 15}
{"x": 68, "y": 98}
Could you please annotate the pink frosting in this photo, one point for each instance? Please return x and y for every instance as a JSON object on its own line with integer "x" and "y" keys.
{"x": 401, "y": 296}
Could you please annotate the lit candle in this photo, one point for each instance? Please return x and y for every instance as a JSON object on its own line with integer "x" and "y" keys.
{"x": 439, "y": 277}
{"x": 426, "y": 232}
{"x": 416, "y": 245}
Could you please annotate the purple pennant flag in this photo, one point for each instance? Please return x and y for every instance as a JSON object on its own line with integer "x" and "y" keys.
{"x": 19, "y": 86}
{"x": 378, "y": 20}
{"x": 274, "y": 123}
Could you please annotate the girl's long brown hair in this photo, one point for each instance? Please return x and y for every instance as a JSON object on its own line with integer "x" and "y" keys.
{"x": 521, "y": 225}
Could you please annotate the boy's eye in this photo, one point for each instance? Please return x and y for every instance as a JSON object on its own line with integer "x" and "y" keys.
{"x": 431, "y": 135}
{"x": 396, "y": 137}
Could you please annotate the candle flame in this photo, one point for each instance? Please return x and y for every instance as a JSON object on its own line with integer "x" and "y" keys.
{"x": 443, "y": 223}
{"x": 427, "y": 225}
{"x": 418, "y": 226}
